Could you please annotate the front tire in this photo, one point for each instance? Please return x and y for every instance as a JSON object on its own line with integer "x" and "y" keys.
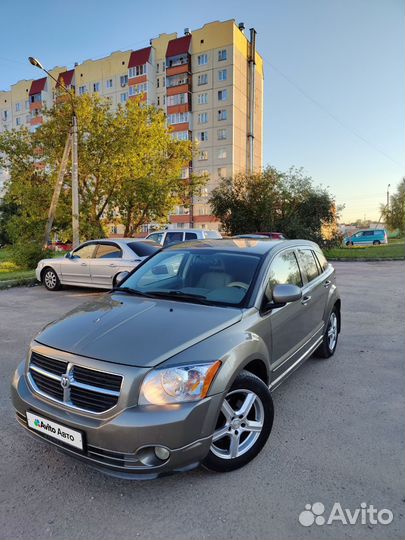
{"x": 50, "y": 279}
{"x": 330, "y": 339}
{"x": 243, "y": 426}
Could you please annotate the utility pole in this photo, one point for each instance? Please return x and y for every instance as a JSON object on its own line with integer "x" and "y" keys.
{"x": 73, "y": 134}
{"x": 388, "y": 196}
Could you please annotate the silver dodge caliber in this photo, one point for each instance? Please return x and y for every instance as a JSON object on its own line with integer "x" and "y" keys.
{"x": 175, "y": 366}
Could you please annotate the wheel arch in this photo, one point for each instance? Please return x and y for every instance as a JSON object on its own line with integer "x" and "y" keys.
{"x": 44, "y": 269}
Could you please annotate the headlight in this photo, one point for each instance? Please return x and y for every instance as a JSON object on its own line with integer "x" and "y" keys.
{"x": 178, "y": 384}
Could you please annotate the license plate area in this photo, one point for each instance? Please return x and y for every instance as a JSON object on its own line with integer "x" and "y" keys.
{"x": 54, "y": 430}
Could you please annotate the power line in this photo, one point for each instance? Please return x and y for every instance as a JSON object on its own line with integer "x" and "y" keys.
{"x": 332, "y": 115}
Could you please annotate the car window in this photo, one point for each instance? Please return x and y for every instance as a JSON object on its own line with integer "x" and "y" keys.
{"x": 173, "y": 237}
{"x": 323, "y": 263}
{"x": 156, "y": 237}
{"x": 108, "y": 251}
{"x": 191, "y": 235}
{"x": 84, "y": 252}
{"x": 143, "y": 249}
{"x": 284, "y": 269}
{"x": 160, "y": 270}
{"x": 368, "y": 233}
{"x": 212, "y": 234}
{"x": 308, "y": 264}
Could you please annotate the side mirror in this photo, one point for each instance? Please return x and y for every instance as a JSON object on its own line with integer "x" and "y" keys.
{"x": 160, "y": 270}
{"x": 283, "y": 294}
{"x": 122, "y": 276}
{"x": 69, "y": 255}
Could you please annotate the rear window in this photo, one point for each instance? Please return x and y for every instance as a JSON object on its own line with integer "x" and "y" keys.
{"x": 323, "y": 263}
{"x": 143, "y": 249}
{"x": 308, "y": 264}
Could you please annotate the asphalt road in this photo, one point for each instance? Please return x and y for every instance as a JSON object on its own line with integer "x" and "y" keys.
{"x": 338, "y": 436}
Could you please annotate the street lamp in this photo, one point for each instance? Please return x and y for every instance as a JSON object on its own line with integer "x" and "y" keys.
{"x": 388, "y": 196}
{"x": 75, "y": 167}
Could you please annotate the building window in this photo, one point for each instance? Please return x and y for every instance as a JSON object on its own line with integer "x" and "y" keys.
{"x": 221, "y": 55}
{"x": 222, "y": 153}
{"x": 157, "y": 67}
{"x": 222, "y": 135}
{"x": 221, "y": 172}
{"x": 96, "y": 87}
{"x": 157, "y": 82}
{"x": 202, "y": 136}
{"x": 158, "y": 101}
{"x": 136, "y": 71}
{"x": 180, "y": 136}
{"x": 202, "y": 118}
{"x": 203, "y": 156}
{"x": 185, "y": 173}
{"x": 222, "y": 75}
{"x": 204, "y": 192}
{"x": 177, "y": 80}
{"x": 4, "y": 116}
{"x": 124, "y": 97}
{"x": 18, "y": 121}
{"x": 123, "y": 80}
{"x": 202, "y": 99}
{"x": 109, "y": 83}
{"x": 222, "y": 114}
{"x": 18, "y": 106}
{"x": 222, "y": 95}
{"x": 82, "y": 90}
{"x": 164, "y": 100}
{"x": 137, "y": 89}
{"x": 202, "y": 59}
{"x": 177, "y": 118}
{"x": 177, "y": 99}
{"x": 27, "y": 104}
{"x": 163, "y": 81}
{"x": 202, "y": 79}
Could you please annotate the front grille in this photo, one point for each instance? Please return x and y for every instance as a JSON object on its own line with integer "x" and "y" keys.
{"x": 84, "y": 388}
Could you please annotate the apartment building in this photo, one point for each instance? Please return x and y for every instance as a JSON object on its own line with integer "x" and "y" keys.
{"x": 209, "y": 82}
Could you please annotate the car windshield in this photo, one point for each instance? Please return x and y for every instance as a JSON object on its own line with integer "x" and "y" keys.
{"x": 195, "y": 275}
{"x": 144, "y": 249}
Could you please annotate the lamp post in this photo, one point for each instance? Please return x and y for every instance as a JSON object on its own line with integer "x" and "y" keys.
{"x": 75, "y": 164}
{"x": 388, "y": 196}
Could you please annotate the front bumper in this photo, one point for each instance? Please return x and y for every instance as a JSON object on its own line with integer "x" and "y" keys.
{"x": 117, "y": 445}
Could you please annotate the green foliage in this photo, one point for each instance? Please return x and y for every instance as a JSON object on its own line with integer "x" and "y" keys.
{"x": 274, "y": 201}
{"x": 129, "y": 166}
{"x": 27, "y": 255}
{"x": 394, "y": 216}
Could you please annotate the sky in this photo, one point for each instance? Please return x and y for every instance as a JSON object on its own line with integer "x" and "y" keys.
{"x": 334, "y": 74}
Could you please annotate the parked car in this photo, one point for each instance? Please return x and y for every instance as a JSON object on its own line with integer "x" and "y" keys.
{"x": 252, "y": 236}
{"x": 273, "y": 235}
{"x": 373, "y": 237}
{"x": 60, "y": 246}
{"x": 95, "y": 263}
{"x": 173, "y": 236}
{"x": 175, "y": 367}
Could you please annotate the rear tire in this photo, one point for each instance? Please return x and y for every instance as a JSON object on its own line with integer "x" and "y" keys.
{"x": 243, "y": 426}
{"x": 328, "y": 346}
{"x": 376, "y": 243}
{"x": 50, "y": 279}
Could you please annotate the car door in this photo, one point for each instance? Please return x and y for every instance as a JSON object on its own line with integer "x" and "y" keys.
{"x": 75, "y": 270}
{"x": 314, "y": 293}
{"x": 105, "y": 264}
{"x": 285, "y": 324}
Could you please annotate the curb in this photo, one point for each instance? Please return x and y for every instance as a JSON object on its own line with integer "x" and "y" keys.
{"x": 363, "y": 259}
{"x": 20, "y": 282}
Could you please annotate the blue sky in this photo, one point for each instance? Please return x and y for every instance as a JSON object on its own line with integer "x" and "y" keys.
{"x": 334, "y": 74}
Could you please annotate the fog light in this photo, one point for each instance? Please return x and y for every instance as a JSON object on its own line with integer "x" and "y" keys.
{"x": 162, "y": 453}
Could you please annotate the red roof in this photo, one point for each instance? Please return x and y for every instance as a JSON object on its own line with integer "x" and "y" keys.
{"x": 66, "y": 77}
{"x": 139, "y": 58}
{"x": 37, "y": 86}
{"x": 178, "y": 46}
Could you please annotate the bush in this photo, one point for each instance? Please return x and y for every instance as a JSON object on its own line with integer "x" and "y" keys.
{"x": 27, "y": 255}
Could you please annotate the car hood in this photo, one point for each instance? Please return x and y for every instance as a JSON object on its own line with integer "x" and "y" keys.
{"x": 135, "y": 331}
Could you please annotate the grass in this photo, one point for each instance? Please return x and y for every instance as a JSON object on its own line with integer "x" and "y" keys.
{"x": 10, "y": 271}
{"x": 395, "y": 249}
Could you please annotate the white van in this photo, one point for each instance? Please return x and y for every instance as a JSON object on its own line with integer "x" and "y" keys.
{"x": 173, "y": 236}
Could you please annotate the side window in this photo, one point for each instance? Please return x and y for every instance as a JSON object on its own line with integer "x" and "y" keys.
{"x": 84, "y": 252}
{"x": 308, "y": 264}
{"x": 108, "y": 251}
{"x": 156, "y": 237}
{"x": 191, "y": 236}
{"x": 284, "y": 269}
{"x": 368, "y": 233}
{"x": 323, "y": 263}
{"x": 173, "y": 237}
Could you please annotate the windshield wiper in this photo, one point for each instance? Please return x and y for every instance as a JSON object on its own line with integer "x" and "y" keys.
{"x": 128, "y": 290}
{"x": 199, "y": 298}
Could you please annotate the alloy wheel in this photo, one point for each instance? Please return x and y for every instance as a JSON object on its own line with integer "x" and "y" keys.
{"x": 239, "y": 424}
{"x": 50, "y": 279}
{"x": 332, "y": 331}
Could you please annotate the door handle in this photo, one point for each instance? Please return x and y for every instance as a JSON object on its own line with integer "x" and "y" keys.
{"x": 112, "y": 265}
{"x": 305, "y": 300}
{"x": 83, "y": 264}
{"x": 327, "y": 283}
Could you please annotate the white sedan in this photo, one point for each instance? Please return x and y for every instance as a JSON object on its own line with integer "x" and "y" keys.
{"x": 96, "y": 263}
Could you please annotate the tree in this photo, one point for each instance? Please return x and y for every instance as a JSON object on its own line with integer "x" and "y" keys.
{"x": 394, "y": 215}
{"x": 129, "y": 166}
{"x": 274, "y": 201}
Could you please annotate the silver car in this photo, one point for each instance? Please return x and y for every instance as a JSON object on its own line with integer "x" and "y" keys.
{"x": 177, "y": 366}
{"x": 173, "y": 236}
{"x": 95, "y": 263}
